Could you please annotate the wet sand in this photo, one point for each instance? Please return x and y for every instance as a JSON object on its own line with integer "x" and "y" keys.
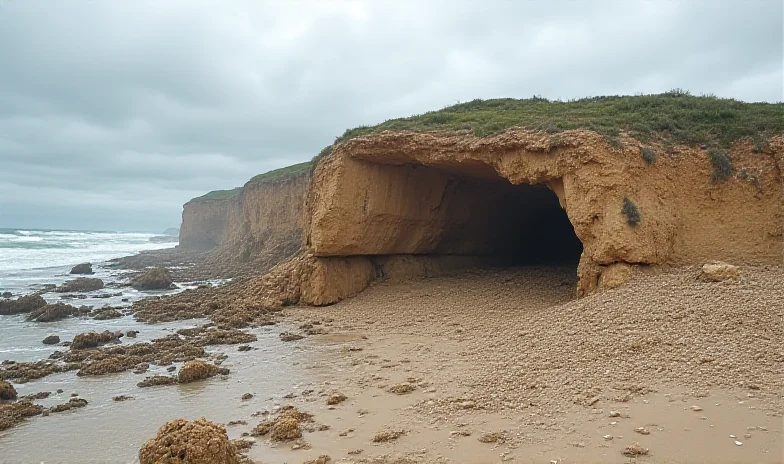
{"x": 508, "y": 355}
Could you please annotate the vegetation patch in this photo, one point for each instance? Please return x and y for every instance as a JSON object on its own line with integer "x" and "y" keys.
{"x": 631, "y": 211}
{"x": 219, "y": 194}
{"x": 648, "y": 155}
{"x": 676, "y": 116}
{"x": 722, "y": 165}
{"x": 282, "y": 173}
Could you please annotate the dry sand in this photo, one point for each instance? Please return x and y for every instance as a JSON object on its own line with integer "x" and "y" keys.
{"x": 508, "y": 367}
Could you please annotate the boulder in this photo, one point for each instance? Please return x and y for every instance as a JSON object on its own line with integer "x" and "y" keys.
{"x": 81, "y": 284}
{"x": 7, "y": 294}
{"x": 195, "y": 370}
{"x": 84, "y": 268}
{"x": 7, "y": 391}
{"x": 196, "y": 442}
{"x": 154, "y": 279}
{"x": 717, "y": 272}
{"x": 94, "y": 339}
{"x": 24, "y": 304}
{"x": 52, "y": 312}
{"x": 51, "y": 340}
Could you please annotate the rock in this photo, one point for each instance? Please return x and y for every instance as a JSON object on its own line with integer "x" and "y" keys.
{"x": 84, "y": 268}
{"x": 23, "y": 304}
{"x": 696, "y": 408}
{"x": 7, "y": 391}
{"x": 642, "y": 431}
{"x": 323, "y": 459}
{"x": 122, "y": 398}
{"x": 247, "y": 396}
{"x": 717, "y": 272}
{"x": 131, "y": 333}
{"x": 106, "y": 314}
{"x": 51, "y": 340}
{"x": 195, "y": 370}
{"x": 615, "y": 275}
{"x": 615, "y": 414}
{"x": 13, "y": 414}
{"x": 388, "y": 435}
{"x": 94, "y": 339}
{"x": 81, "y": 284}
{"x": 290, "y": 337}
{"x": 154, "y": 279}
{"x": 7, "y": 295}
{"x": 71, "y": 404}
{"x": 196, "y": 442}
{"x": 635, "y": 450}
{"x": 52, "y": 312}
{"x": 157, "y": 380}
{"x": 492, "y": 437}
{"x": 336, "y": 398}
{"x": 401, "y": 389}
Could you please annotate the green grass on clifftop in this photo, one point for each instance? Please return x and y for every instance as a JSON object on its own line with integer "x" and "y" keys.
{"x": 219, "y": 194}
{"x": 271, "y": 176}
{"x": 675, "y": 116}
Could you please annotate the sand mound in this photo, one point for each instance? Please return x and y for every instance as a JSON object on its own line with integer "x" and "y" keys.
{"x": 197, "y": 442}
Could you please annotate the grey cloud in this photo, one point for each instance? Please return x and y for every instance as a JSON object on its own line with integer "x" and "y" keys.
{"x": 114, "y": 113}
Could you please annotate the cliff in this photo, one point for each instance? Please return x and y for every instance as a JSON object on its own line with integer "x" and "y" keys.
{"x": 265, "y": 216}
{"x": 606, "y": 184}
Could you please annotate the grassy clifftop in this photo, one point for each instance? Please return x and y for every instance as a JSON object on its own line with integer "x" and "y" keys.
{"x": 673, "y": 117}
{"x": 271, "y": 176}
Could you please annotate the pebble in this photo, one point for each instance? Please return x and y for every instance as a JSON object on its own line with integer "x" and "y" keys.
{"x": 696, "y": 408}
{"x": 608, "y": 437}
{"x": 739, "y": 443}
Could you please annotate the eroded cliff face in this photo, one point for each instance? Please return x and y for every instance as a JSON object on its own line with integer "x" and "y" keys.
{"x": 435, "y": 195}
{"x": 263, "y": 218}
{"x": 402, "y": 205}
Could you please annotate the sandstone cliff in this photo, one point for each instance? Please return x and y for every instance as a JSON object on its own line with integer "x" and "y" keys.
{"x": 263, "y": 217}
{"x": 404, "y": 203}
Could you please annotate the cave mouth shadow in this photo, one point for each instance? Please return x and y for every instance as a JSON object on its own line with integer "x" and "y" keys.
{"x": 514, "y": 224}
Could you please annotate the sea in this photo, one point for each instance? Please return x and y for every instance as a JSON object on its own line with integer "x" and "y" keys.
{"x": 106, "y": 431}
{"x": 31, "y": 258}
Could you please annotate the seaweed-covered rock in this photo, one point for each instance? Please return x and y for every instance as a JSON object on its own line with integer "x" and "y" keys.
{"x": 83, "y": 268}
{"x": 80, "y": 284}
{"x": 110, "y": 365}
{"x": 154, "y": 279}
{"x": 196, "y": 442}
{"x": 195, "y": 370}
{"x": 105, "y": 314}
{"x": 94, "y": 339}
{"x": 157, "y": 380}
{"x": 12, "y": 414}
{"x": 52, "y": 312}
{"x": 51, "y": 340}
{"x": 7, "y": 391}
{"x": 71, "y": 404}
{"x": 23, "y": 304}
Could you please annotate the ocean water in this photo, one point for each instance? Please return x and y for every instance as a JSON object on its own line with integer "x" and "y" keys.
{"x": 31, "y": 258}
{"x": 107, "y": 431}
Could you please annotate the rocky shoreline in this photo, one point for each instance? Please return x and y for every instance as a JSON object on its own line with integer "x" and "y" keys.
{"x": 436, "y": 370}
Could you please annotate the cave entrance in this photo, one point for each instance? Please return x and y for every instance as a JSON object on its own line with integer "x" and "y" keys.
{"x": 516, "y": 225}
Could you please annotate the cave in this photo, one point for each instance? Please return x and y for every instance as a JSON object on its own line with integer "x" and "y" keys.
{"x": 516, "y": 225}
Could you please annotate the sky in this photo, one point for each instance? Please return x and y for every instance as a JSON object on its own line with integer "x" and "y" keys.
{"x": 114, "y": 113}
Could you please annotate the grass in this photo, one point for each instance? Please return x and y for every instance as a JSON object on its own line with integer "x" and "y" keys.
{"x": 722, "y": 165}
{"x": 271, "y": 176}
{"x": 282, "y": 173}
{"x": 675, "y": 116}
{"x": 219, "y": 194}
{"x": 631, "y": 211}
{"x": 648, "y": 155}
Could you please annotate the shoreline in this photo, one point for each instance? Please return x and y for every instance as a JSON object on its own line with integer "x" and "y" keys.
{"x": 497, "y": 360}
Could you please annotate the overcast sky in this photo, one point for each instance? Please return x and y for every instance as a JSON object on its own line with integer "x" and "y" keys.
{"x": 113, "y": 113}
